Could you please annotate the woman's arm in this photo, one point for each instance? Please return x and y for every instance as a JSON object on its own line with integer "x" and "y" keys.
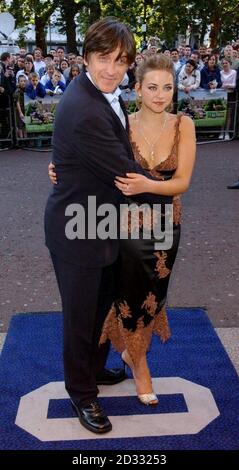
{"x": 136, "y": 184}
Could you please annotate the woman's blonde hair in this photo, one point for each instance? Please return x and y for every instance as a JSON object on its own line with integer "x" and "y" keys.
{"x": 154, "y": 62}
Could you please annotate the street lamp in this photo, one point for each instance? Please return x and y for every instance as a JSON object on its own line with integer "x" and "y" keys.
{"x": 51, "y": 23}
{"x": 153, "y": 9}
{"x": 143, "y": 30}
{"x": 144, "y": 25}
{"x": 237, "y": 30}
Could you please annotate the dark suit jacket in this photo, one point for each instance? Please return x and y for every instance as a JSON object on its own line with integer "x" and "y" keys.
{"x": 90, "y": 147}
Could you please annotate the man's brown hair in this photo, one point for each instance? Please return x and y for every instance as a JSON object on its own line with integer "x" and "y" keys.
{"x": 106, "y": 35}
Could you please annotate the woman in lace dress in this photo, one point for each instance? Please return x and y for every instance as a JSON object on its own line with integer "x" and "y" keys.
{"x": 164, "y": 144}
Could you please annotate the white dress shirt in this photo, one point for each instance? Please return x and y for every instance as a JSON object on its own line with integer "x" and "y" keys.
{"x": 228, "y": 78}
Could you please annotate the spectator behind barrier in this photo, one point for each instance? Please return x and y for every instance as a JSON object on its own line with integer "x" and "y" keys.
{"x": 64, "y": 65}
{"x": 19, "y": 64}
{"x": 55, "y": 86}
{"x": 228, "y": 75}
{"x": 34, "y": 88}
{"x": 189, "y": 77}
{"x": 9, "y": 77}
{"x": 50, "y": 69}
{"x": 228, "y": 54}
{"x": 48, "y": 60}
{"x": 19, "y": 107}
{"x": 74, "y": 72}
{"x": 210, "y": 75}
{"x": 71, "y": 60}
{"x": 27, "y": 70}
{"x": 38, "y": 61}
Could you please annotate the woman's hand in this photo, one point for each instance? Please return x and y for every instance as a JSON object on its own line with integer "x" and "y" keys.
{"x": 51, "y": 173}
{"x": 133, "y": 184}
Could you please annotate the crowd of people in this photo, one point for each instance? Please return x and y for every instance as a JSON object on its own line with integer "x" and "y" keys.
{"x": 38, "y": 75}
{"x": 33, "y": 75}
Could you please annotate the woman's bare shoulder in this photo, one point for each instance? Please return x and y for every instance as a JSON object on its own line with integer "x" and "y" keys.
{"x": 187, "y": 128}
{"x": 187, "y": 122}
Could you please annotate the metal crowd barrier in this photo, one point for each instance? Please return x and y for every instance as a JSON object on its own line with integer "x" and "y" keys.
{"x": 34, "y": 132}
{"x": 7, "y": 129}
{"x": 219, "y": 123}
{"x": 226, "y": 132}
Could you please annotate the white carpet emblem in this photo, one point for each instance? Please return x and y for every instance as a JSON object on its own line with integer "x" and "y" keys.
{"x": 202, "y": 409}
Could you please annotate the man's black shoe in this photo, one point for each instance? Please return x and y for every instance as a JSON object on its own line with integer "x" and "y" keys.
{"x": 234, "y": 185}
{"x": 92, "y": 417}
{"x": 111, "y": 376}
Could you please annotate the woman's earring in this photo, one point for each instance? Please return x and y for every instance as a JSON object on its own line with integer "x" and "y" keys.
{"x": 138, "y": 101}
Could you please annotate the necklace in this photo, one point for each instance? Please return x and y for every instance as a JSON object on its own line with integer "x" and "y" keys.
{"x": 152, "y": 145}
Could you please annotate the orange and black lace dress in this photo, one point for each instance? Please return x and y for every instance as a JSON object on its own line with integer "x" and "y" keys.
{"x": 144, "y": 274}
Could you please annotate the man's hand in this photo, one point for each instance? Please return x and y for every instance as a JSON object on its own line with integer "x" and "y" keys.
{"x": 51, "y": 173}
{"x": 133, "y": 184}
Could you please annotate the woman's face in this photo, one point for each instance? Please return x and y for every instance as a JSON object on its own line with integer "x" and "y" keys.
{"x": 74, "y": 72}
{"x": 189, "y": 68}
{"x": 138, "y": 58}
{"x": 226, "y": 65}
{"x": 20, "y": 62}
{"x": 64, "y": 65}
{"x": 28, "y": 65}
{"x": 212, "y": 62}
{"x": 156, "y": 90}
{"x": 56, "y": 76}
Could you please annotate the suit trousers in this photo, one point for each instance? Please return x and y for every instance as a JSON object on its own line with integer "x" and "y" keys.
{"x": 87, "y": 295}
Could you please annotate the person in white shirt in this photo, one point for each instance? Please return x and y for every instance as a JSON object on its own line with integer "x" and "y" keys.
{"x": 175, "y": 58}
{"x": 50, "y": 69}
{"x": 228, "y": 77}
{"x": 189, "y": 77}
{"x": 38, "y": 59}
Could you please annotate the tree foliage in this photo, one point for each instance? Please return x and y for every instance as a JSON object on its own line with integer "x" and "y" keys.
{"x": 35, "y": 12}
{"x": 221, "y": 15}
{"x": 163, "y": 19}
{"x": 3, "y": 6}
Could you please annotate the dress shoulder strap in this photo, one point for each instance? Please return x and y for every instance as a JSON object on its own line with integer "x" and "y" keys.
{"x": 177, "y": 130}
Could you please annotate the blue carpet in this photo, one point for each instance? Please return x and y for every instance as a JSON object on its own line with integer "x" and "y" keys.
{"x": 193, "y": 374}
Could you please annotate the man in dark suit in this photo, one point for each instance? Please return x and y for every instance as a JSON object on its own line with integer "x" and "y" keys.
{"x": 90, "y": 148}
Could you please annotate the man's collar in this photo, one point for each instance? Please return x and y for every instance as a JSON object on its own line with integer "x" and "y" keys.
{"x": 109, "y": 96}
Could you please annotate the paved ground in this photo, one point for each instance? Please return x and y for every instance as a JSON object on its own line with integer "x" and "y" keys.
{"x": 206, "y": 273}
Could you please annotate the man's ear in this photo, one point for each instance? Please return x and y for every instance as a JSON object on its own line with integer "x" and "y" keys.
{"x": 85, "y": 61}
